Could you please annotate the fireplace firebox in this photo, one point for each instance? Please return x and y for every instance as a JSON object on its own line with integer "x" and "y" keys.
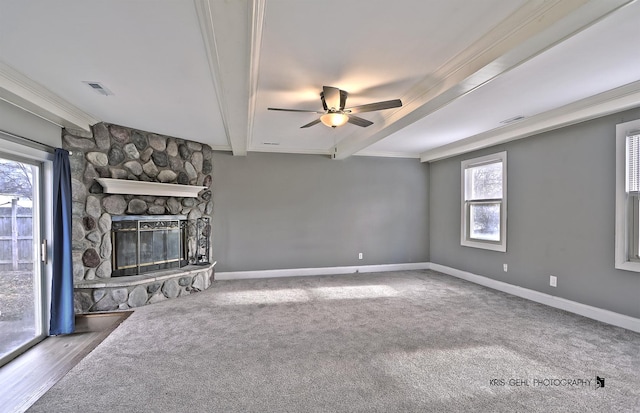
{"x": 143, "y": 244}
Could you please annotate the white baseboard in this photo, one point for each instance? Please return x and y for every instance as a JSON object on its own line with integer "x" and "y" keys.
{"x": 296, "y": 272}
{"x": 606, "y": 316}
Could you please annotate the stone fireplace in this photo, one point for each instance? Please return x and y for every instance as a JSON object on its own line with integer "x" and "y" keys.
{"x": 148, "y": 240}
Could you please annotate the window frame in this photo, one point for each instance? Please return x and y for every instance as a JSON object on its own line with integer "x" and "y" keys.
{"x": 465, "y": 228}
{"x": 627, "y": 235}
{"x": 14, "y": 149}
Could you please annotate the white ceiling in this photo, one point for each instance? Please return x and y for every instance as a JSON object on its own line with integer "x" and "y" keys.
{"x": 206, "y": 70}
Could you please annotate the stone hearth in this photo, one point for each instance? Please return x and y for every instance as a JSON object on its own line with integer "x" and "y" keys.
{"x": 122, "y": 293}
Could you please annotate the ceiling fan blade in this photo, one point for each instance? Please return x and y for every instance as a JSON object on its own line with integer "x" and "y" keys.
{"x": 387, "y": 104}
{"x": 331, "y": 97}
{"x": 324, "y": 104}
{"x": 359, "y": 121}
{"x": 295, "y": 110}
{"x": 315, "y": 122}
{"x": 343, "y": 99}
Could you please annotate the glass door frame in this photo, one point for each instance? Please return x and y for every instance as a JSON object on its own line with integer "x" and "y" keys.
{"x": 31, "y": 153}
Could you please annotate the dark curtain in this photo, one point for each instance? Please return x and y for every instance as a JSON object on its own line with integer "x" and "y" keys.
{"x": 62, "y": 314}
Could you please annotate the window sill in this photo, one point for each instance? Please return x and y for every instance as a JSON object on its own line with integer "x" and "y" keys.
{"x": 628, "y": 266}
{"x": 501, "y": 247}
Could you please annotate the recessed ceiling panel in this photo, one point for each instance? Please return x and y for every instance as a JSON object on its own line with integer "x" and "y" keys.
{"x": 149, "y": 54}
{"x": 375, "y": 50}
{"x": 598, "y": 59}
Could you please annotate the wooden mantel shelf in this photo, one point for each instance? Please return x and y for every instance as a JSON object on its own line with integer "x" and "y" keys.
{"x": 125, "y": 186}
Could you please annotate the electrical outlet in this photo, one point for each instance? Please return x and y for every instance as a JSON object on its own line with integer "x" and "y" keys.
{"x": 553, "y": 281}
{"x": 360, "y": 256}
{"x": 505, "y": 267}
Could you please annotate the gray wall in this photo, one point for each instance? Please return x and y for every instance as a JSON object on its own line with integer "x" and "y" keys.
{"x": 278, "y": 211}
{"x": 561, "y": 215}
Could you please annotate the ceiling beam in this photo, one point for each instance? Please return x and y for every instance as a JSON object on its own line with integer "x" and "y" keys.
{"x": 21, "y": 91}
{"x": 232, "y": 34}
{"x": 257, "y": 25}
{"x": 612, "y": 101}
{"x": 529, "y": 31}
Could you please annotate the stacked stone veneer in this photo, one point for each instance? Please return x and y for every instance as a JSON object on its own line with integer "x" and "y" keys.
{"x": 112, "y": 151}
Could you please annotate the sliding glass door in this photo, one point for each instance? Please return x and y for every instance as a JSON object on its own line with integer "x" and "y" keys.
{"x": 21, "y": 279}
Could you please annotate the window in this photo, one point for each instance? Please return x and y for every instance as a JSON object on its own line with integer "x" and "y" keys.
{"x": 627, "y": 246}
{"x": 484, "y": 202}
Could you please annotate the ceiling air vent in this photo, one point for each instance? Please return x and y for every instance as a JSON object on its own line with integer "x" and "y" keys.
{"x": 98, "y": 87}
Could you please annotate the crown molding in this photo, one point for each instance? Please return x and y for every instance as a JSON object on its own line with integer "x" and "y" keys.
{"x": 27, "y": 94}
{"x": 612, "y": 101}
{"x": 532, "y": 29}
{"x": 221, "y": 148}
{"x": 299, "y": 151}
{"x": 388, "y": 154}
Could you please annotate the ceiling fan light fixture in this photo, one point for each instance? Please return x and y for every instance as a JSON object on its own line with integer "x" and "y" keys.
{"x": 334, "y": 119}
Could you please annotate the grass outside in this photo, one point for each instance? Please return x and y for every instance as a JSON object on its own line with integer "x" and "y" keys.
{"x": 17, "y": 310}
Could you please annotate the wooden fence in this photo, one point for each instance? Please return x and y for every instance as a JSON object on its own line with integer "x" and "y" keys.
{"x": 16, "y": 237}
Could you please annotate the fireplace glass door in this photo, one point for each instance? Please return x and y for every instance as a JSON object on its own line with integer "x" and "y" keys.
{"x": 145, "y": 245}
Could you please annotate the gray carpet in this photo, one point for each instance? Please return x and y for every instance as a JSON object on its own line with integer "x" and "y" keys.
{"x": 411, "y": 341}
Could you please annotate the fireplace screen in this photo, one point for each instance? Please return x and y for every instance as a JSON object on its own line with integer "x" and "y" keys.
{"x": 145, "y": 244}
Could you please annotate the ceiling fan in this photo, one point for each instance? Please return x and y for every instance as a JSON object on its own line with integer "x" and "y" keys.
{"x": 335, "y": 114}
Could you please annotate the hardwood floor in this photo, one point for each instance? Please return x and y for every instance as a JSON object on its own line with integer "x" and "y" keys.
{"x": 26, "y": 378}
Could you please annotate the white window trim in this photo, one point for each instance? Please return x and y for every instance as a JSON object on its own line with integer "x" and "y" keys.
{"x": 623, "y": 239}
{"x": 43, "y": 202}
{"x": 500, "y": 246}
